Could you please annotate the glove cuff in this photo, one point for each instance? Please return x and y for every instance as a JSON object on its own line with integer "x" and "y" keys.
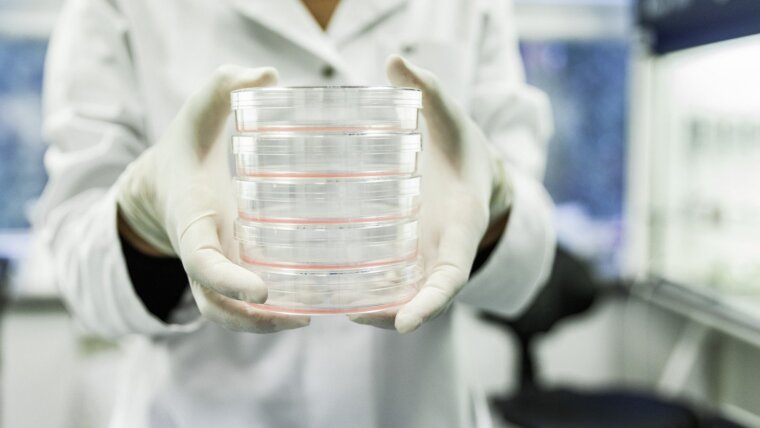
{"x": 135, "y": 204}
{"x": 501, "y": 189}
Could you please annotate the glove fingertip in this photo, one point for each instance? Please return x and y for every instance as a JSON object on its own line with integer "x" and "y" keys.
{"x": 250, "y": 287}
{"x": 251, "y": 77}
{"x": 407, "y": 323}
{"x": 399, "y": 72}
{"x": 269, "y": 76}
{"x": 360, "y": 319}
{"x": 297, "y": 322}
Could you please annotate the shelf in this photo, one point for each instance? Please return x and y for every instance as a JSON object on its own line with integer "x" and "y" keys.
{"x": 737, "y": 316}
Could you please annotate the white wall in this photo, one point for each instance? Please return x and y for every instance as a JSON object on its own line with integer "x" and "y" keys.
{"x": 579, "y": 352}
{"x": 39, "y": 366}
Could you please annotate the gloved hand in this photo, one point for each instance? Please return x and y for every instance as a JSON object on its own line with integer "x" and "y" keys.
{"x": 465, "y": 188}
{"x": 177, "y": 197}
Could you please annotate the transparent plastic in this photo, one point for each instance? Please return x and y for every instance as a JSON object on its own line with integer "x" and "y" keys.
{"x": 290, "y": 154}
{"x": 327, "y": 193}
{"x": 326, "y": 200}
{"x": 321, "y": 108}
{"x": 297, "y": 291}
{"x": 326, "y": 246}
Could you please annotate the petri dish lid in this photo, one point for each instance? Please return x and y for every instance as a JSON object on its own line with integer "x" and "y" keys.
{"x": 323, "y": 234}
{"x": 356, "y": 275}
{"x": 285, "y": 142}
{"x": 373, "y": 278}
{"x": 326, "y": 188}
{"x": 326, "y": 96}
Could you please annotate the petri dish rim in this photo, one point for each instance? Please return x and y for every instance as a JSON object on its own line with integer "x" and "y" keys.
{"x": 276, "y": 188}
{"x": 247, "y": 230}
{"x": 396, "y": 140}
{"x": 287, "y": 310}
{"x": 314, "y": 96}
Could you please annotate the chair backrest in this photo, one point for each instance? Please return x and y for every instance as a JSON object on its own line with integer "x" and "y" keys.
{"x": 4, "y": 273}
{"x": 570, "y": 290}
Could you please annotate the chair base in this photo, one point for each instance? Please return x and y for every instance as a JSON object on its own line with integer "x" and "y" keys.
{"x": 565, "y": 408}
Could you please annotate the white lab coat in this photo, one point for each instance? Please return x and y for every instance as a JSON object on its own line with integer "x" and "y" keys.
{"x": 118, "y": 71}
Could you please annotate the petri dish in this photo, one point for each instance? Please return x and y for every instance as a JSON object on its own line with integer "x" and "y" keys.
{"x": 327, "y": 246}
{"x": 335, "y": 154}
{"x": 325, "y": 108}
{"x": 320, "y": 292}
{"x": 326, "y": 200}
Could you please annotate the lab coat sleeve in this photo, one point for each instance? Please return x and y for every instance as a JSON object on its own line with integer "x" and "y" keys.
{"x": 93, "y": 123}
{"x": 517, "y": 121}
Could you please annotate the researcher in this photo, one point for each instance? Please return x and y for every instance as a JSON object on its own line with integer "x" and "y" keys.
{"x": 138, "y": 209}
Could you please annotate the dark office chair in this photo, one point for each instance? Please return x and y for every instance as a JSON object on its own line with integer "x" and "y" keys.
{"x": 4, "y": 280}
{"x": 572, "y": 290}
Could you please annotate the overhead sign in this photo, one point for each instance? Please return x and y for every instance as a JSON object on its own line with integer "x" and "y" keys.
{"x": 681, "y": 24}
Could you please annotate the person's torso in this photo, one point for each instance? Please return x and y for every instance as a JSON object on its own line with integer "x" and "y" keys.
{"x": 177, "y": 44}
{"x": 333, "y": 373}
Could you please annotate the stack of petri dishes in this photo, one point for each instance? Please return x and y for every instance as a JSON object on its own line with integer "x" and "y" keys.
{"x": 327, "y": 191}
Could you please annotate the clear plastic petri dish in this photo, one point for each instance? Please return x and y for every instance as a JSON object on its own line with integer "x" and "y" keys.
{"x": 341, "y": 154}
{"x": 327, "y": 247}
{"x": 323, "y": 108}
{"x": 317, "y": 292}
{"x": 326, "y": 200}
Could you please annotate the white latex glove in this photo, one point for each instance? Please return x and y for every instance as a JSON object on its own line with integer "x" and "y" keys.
{"x": 177, "y": 197}
{"x": 464, "y": 188}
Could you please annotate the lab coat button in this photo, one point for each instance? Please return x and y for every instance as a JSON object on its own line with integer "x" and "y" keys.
{"x": 328, "y": 72}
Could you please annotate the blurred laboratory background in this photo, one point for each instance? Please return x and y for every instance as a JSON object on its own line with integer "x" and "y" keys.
{"x": 653, "y": 309}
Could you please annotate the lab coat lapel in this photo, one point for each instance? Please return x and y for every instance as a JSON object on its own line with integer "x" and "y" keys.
{"x": 356, "y": 16}
{"x": 291, "y": 20}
